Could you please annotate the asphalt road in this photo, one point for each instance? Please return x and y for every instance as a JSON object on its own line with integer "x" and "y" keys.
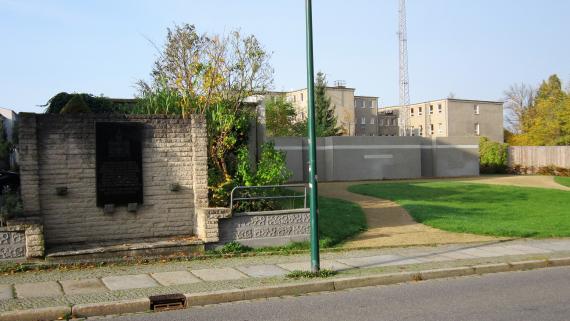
{"x": 533, "y": 295}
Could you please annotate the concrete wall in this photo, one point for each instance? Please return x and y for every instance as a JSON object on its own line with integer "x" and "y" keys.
{"x": 59, "y": 151}
{"x": 271, "y": 228}
{"x": 375, "y": 158}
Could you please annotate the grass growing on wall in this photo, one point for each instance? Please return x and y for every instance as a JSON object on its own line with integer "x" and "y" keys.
{"x": 562, "y": 180}
{"x": 480, "y": 209}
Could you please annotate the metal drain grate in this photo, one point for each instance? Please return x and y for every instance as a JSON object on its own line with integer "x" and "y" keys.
{"x": 167, "y": 302}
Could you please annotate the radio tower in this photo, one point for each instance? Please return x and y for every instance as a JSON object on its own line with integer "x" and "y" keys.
{"x": 404, "y": 79}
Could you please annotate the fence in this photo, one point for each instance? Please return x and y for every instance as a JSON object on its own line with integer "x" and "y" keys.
{"x": 539, "y": 156}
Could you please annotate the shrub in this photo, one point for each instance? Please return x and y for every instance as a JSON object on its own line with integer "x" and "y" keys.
{"x": 75, "y": 105}
{"x": 10, "y": 205}
{"x": 493, "y": 156}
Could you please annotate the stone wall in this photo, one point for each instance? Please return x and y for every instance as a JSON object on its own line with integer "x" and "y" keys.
{"x": 58, "y": 151}
{"x": 269, "y": 228}
{"x": 21, "y": 239}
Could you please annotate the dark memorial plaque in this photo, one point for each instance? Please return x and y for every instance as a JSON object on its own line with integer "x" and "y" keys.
{"x": 119, "y": 163}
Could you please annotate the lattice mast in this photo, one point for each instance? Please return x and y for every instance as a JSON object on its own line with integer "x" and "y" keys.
{"x": 404, "y": 113}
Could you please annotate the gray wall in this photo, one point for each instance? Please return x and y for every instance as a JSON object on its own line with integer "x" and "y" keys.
{"x": 374, "y": 158}
{"x": 59, "y": 151}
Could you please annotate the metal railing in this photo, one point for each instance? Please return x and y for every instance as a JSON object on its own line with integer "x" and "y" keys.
{"x": 233, "y": 197}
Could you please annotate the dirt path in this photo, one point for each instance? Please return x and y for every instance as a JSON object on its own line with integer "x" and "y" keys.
{"x": 391, "y": 225}
{"x": 525, "y": 181}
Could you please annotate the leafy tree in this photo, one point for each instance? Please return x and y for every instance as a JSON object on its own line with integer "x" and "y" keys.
{"x": 95, "y": 104}
{"x": 75, "y": 105}
{"x": 547, "y": 120}
{"x": 325, "y": 119}
{"x": 280, "y": 117}
{"x": 493, "y": 157}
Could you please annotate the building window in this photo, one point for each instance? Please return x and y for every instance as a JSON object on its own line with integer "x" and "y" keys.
{"x": 421, "y": 130}
{"x": 411, "y": 112}
{"x": 440, "y": 129}
{"x": 301, "y": 96}
{"x": 381, "y": 122}
{"x": 363, "y": 121}
{"x": 413, "y": 131}
{"x": 431, "y": 130}
{"x": 477, "y": 130}
{"x": 431, "y": 109}
{"x": 439, "y": 108}
{"x": 371, "y": 121}
{"x": 294, "y": 98}
{"x": 476, "y": 109}
{"x": 419, "y": 111}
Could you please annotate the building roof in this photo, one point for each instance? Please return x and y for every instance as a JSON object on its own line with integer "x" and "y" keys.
{"x": 452, "y": 99}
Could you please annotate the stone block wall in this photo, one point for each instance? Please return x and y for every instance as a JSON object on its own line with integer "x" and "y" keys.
{"x": 59, "y": 151}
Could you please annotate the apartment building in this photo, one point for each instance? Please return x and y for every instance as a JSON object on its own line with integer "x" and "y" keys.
{"x": 455, "y": 117}
{"x": 356, "y": 115}
{"x": 388, "y": 121}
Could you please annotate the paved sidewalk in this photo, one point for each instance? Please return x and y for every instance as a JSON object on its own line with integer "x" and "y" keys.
{"x": 49, "y": 288}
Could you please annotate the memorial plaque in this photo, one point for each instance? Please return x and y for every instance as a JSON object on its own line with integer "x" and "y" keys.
{"x": 119, "y": 163}
{"x": 12, "y": 245}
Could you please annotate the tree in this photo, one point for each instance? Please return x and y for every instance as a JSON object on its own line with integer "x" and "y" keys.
{"x": 279, "y": 117}
{"x": 518, "y": 99}
{"x": 546, "y": 120}
{"x": 75, "y": 105}
{"x": 325, "y": 119}
{"x": 95, "y": 104}
{"x": 205, "y": 70}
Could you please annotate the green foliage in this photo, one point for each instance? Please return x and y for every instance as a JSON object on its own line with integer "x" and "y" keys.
{"x": 5, "y": 146}
{"x": 324, "y": 113}
{"x": 158, "y": 100}
{"x": 272, "y": 167}
{"x": 94, "y": 104}
{"x": 280, "y": 118}
{"x": 10, "y": 205}
{"x": 76, "y": 105}
{"x": 324, "y": 273}
{"x": 546, "y": 121}
{"x": 485, "y": 209}
{"x": 234, "y": 248}
{"x": 493, "y": 156}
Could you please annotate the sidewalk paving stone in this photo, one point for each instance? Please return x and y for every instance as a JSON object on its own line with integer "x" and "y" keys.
{"x": 6, "y": 292}
{"x": 175, "y": 278}
{"x": 478, "y": 253}
{"x": 306, "y": 266}
{"x": 85, "y": 286}
{"x": 371, "y": 261}
{"x": 263, "y": 270}
{"x": 222, "y": 274}
{"x": 553, "y": 245}
{"x": 502, "y": 250}
{"x": 38, "y": 289}
{"x": 456, "y": 255}
{"x": 126, "y": 282}
{"x": 527, "y": 249}
{"x": 433, "y": 258}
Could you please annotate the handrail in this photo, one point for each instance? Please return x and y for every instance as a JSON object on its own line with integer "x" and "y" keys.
{"x": 304, "y": 196}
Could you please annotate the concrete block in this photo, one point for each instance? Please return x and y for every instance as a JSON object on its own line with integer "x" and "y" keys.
{"x": 306, "y": 266}
{"x": 261, "y": 271}
{"x": 125, "y": 282}
{"x": 199, "y": 299}
{"x": 86, "y": 286}
{"x": 559, "y": 262}
{"x": 288, "y": 289}
{"x": 6, "y": 292}
{"x": 371, "y": 261}
{"x": 51, "y": 313}
{"x": 446, "y": 273}
{"x": 529, "y": 265}
{"x": 222, "y": 274}
{"x": 383, "y": 279}
{"x": 492, "y": 268}
{"x": 175, "y": 278}
{"x": 108, "y": 308}
{"x": 38, "y": 289}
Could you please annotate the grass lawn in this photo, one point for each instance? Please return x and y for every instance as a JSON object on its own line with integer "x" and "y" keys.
{"x": 479, "y": 208}
{"x": 562, "y": 180}
{"x": 339, "y": 220}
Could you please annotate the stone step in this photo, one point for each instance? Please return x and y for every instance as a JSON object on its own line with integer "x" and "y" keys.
{"x": 121, "y": 250}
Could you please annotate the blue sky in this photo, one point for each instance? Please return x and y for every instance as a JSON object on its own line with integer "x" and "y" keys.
{"x": 474, "y": 49}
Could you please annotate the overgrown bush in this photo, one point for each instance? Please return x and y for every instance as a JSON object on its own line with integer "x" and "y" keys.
{"x": 94, "y": 104}
{"x": 10, "y": 205}
{"x": 493, "y": 156}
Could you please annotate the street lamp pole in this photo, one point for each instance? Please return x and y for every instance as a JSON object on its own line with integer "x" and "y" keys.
{"x": 313, "y": 196}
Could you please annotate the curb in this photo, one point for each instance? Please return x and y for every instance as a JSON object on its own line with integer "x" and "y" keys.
{"x": 217, "y": 297}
